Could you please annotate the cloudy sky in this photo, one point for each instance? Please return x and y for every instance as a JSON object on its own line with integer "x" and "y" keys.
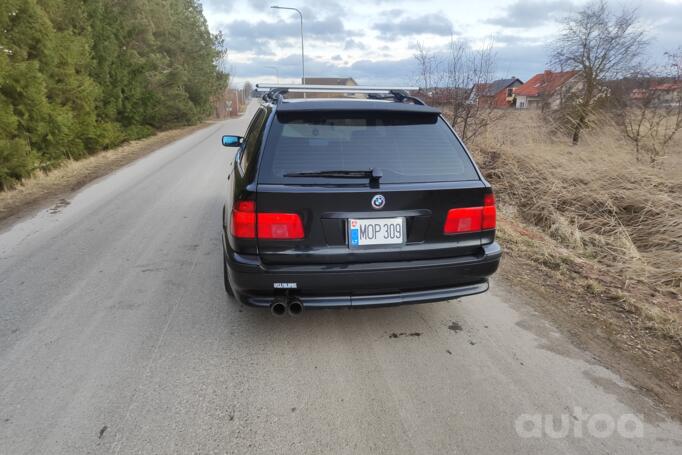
{"x": 373, "y": 41}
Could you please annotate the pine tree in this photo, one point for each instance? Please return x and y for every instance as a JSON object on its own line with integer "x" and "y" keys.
{"x": 77, "y": 76}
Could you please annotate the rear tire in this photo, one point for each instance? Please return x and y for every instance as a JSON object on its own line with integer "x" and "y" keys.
{"x": 226, "y": 279}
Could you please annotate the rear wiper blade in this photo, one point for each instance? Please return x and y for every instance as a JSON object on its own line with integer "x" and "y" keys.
{"x": 346, "y": 174}
{"x": 373, "y": 174}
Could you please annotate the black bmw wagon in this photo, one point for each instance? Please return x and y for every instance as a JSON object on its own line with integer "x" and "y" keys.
{"x": 354, "y": 202}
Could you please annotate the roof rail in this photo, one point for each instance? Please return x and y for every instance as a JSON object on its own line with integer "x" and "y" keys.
{"x": 399, "y": 94}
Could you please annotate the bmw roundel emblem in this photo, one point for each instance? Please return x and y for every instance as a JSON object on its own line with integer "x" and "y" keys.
{"x": 378, "y": 202}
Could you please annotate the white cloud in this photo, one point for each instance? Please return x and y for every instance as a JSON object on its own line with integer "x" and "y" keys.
{"x": 373, "y": 41}
{"x": 531, "y": 13}
{"x": 427, "y": 24}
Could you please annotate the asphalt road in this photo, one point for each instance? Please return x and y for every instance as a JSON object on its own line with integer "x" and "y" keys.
{"x": 116, "y": 336}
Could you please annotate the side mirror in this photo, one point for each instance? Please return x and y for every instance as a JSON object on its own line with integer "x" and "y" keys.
{"x": 232, "y": 141}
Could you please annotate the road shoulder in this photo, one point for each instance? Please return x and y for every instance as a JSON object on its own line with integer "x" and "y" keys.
{"x": 48, "y": 189}
{"x": 562, "y": 290}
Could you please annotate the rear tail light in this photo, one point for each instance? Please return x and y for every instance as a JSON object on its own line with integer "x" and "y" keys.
{"x": 280, "y": 226}
{"x": 471, "y": 219}
{"x": 467, "y": 219}
{"x": 283, "y": 226}
{"x": 489, "y": 212}
{"x": 243, "y": 223}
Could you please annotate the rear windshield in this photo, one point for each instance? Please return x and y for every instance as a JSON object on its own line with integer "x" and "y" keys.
{"x": 404, "y": 147}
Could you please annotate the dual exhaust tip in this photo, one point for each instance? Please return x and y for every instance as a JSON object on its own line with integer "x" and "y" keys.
{"x": 282, "y": 305}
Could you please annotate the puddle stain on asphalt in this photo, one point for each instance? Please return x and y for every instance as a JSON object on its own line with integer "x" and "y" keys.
{"x": 403, "y": 334}
{"x": 57, "y": 208}
{"x": 153, "y": 269}
{"x": 455, "y": 327}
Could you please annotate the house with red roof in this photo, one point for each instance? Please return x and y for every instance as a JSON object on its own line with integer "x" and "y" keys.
{"x": 498, "y": 94}
{"x": 664, "y": 94}
{"x": 547, "y": 89}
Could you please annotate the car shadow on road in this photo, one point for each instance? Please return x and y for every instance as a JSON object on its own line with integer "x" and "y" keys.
{"x": 395, "y": 322}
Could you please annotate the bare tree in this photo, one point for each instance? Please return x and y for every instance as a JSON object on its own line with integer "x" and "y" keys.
{"x": 468, "y": 73}
{"x": 601, "y": 45}
{"x": 652, "y": 114}
{"x": 428, "y": 67}
{"x": 456, "y": 80}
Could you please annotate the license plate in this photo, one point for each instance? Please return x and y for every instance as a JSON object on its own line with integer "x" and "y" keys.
{"x": 376, "y": 231}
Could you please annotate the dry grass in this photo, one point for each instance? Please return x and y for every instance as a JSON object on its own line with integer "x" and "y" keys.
{"x": 596, "y": 205}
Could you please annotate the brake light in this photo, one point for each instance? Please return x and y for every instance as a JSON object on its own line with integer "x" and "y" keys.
{"x": 283, "y": 226}
{"x": 489, "y": 212}
{"x": 243, "y": 223}
{"x": 471, "y": 219}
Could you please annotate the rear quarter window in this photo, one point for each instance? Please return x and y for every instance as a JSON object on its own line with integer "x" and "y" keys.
{"x": 406, "y": 147}
{"x": 252, "y": 140}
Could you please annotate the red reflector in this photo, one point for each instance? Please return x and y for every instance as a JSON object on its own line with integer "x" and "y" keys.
{"x": 279, "y": 226}
{"x": 243, "y": 223}
{"x": 466, "y": 219}
{"x": 489, "y": 212}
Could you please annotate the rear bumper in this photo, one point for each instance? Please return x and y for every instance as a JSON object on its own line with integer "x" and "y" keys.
{"x": 362, "y": 284}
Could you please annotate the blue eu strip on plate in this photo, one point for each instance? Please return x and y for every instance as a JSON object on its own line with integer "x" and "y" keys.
{"x": 355, "y": 236}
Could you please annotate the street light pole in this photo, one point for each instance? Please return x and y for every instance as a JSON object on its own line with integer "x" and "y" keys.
{"x": 302, "y": 52}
